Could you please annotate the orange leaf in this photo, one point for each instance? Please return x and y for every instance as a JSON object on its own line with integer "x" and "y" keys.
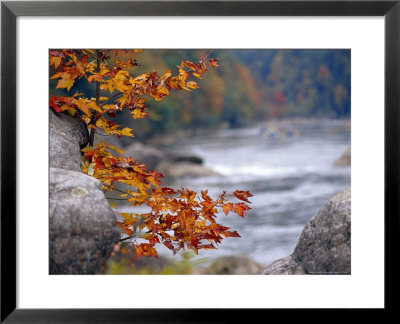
{"x": 227, "y": 208}
{"x": 139, "y": 251}
{"x": 240, "y": 209}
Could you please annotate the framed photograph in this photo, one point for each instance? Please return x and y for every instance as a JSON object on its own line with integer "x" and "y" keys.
{"x": 218, "y": 142}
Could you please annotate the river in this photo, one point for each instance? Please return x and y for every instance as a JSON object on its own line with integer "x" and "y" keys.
{"x": 290, "y": 174}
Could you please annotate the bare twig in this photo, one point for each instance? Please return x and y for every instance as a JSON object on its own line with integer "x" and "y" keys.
{"x": 114, "y": 189}
{"x": 117, "y": 198}
{"x": 209, "y": 53}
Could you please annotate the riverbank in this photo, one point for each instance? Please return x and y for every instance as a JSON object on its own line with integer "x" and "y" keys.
{"x": 185, "y": 135}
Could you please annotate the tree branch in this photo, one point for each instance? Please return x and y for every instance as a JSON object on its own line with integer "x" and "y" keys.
{"x": 117, "y": 198}
{"x": 124, "y": 192}
{"x": 94, "y": 118}
{"x": 111, "y": 98}
{"x": 209, "y": 53}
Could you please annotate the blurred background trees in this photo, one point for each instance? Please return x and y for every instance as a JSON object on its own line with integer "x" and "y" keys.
{"x": 248, "y": 86}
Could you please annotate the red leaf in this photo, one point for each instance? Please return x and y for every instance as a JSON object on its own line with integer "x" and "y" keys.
{"x": 54, "y": 106}
{"x": 168, "y": 245}
{"x": 242, "y": 195}
{"x": 214, "y": 63}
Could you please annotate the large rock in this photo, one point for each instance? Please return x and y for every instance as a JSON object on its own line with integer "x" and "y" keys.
{"x": 128, "y": 264}
{"x": 234, "y": 265}
{"x": 82, "y": 224}
{"x": 168, "y": 163}
{"x": 184, "y": 169}
{"x": 67, "y": 136}
{"x": 324, "y": 246}
{"x": 284, "y": 266}
{"x": 145, "y": 154}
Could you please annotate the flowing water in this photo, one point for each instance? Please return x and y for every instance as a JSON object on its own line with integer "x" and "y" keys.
{"x": 290, "y": 174}
{"x": 287, "y": 166}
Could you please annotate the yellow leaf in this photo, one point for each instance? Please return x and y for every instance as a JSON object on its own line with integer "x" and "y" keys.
{"x": 108, "y": 107}
{"x": 198, "y": 75}
{"x": 160, "y": 93}
{"x": 166, "y": 75}
{"x": 104, "y": 69}
{"x": 55, "y": 60}
{"x": 107, "y": 85}
{"x": 121, "y": 75}
{"x": 64, "y": 107}
{"x": 81, "y": 104}
{"x": 65, "y": 83}
{"x": 67, "y": 80}
{"x": 138, "y": 113}
{"x": 116, "y": 149}
{"x": 139, "y": 80}
{"x": 92, "y": 104}
{"x": 126, "y": 132}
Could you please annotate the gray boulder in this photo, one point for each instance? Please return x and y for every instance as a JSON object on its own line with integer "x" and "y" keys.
{"x": 170, "y": 164}
{"x": 183, "y": 169}
{"x": 145, "y": 154}
{"x": 284, "y": 266}
{"x": 324, "y": 246}
{"x": 82, "y": 224}
{"x": 67, "y": 136}
{"x": 234, "y": 265}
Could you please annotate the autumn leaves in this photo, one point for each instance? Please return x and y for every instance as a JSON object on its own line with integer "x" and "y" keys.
{"x": 178, "y": 219}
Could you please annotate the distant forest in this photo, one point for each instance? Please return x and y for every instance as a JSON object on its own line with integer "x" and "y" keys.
{"x": 248, "y": 85}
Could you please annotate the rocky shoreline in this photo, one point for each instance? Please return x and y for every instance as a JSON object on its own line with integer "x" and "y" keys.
{"x": 83, "y": 230}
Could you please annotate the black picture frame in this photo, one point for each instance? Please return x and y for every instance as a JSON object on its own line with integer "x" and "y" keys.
{"x": 10, "y": 10}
